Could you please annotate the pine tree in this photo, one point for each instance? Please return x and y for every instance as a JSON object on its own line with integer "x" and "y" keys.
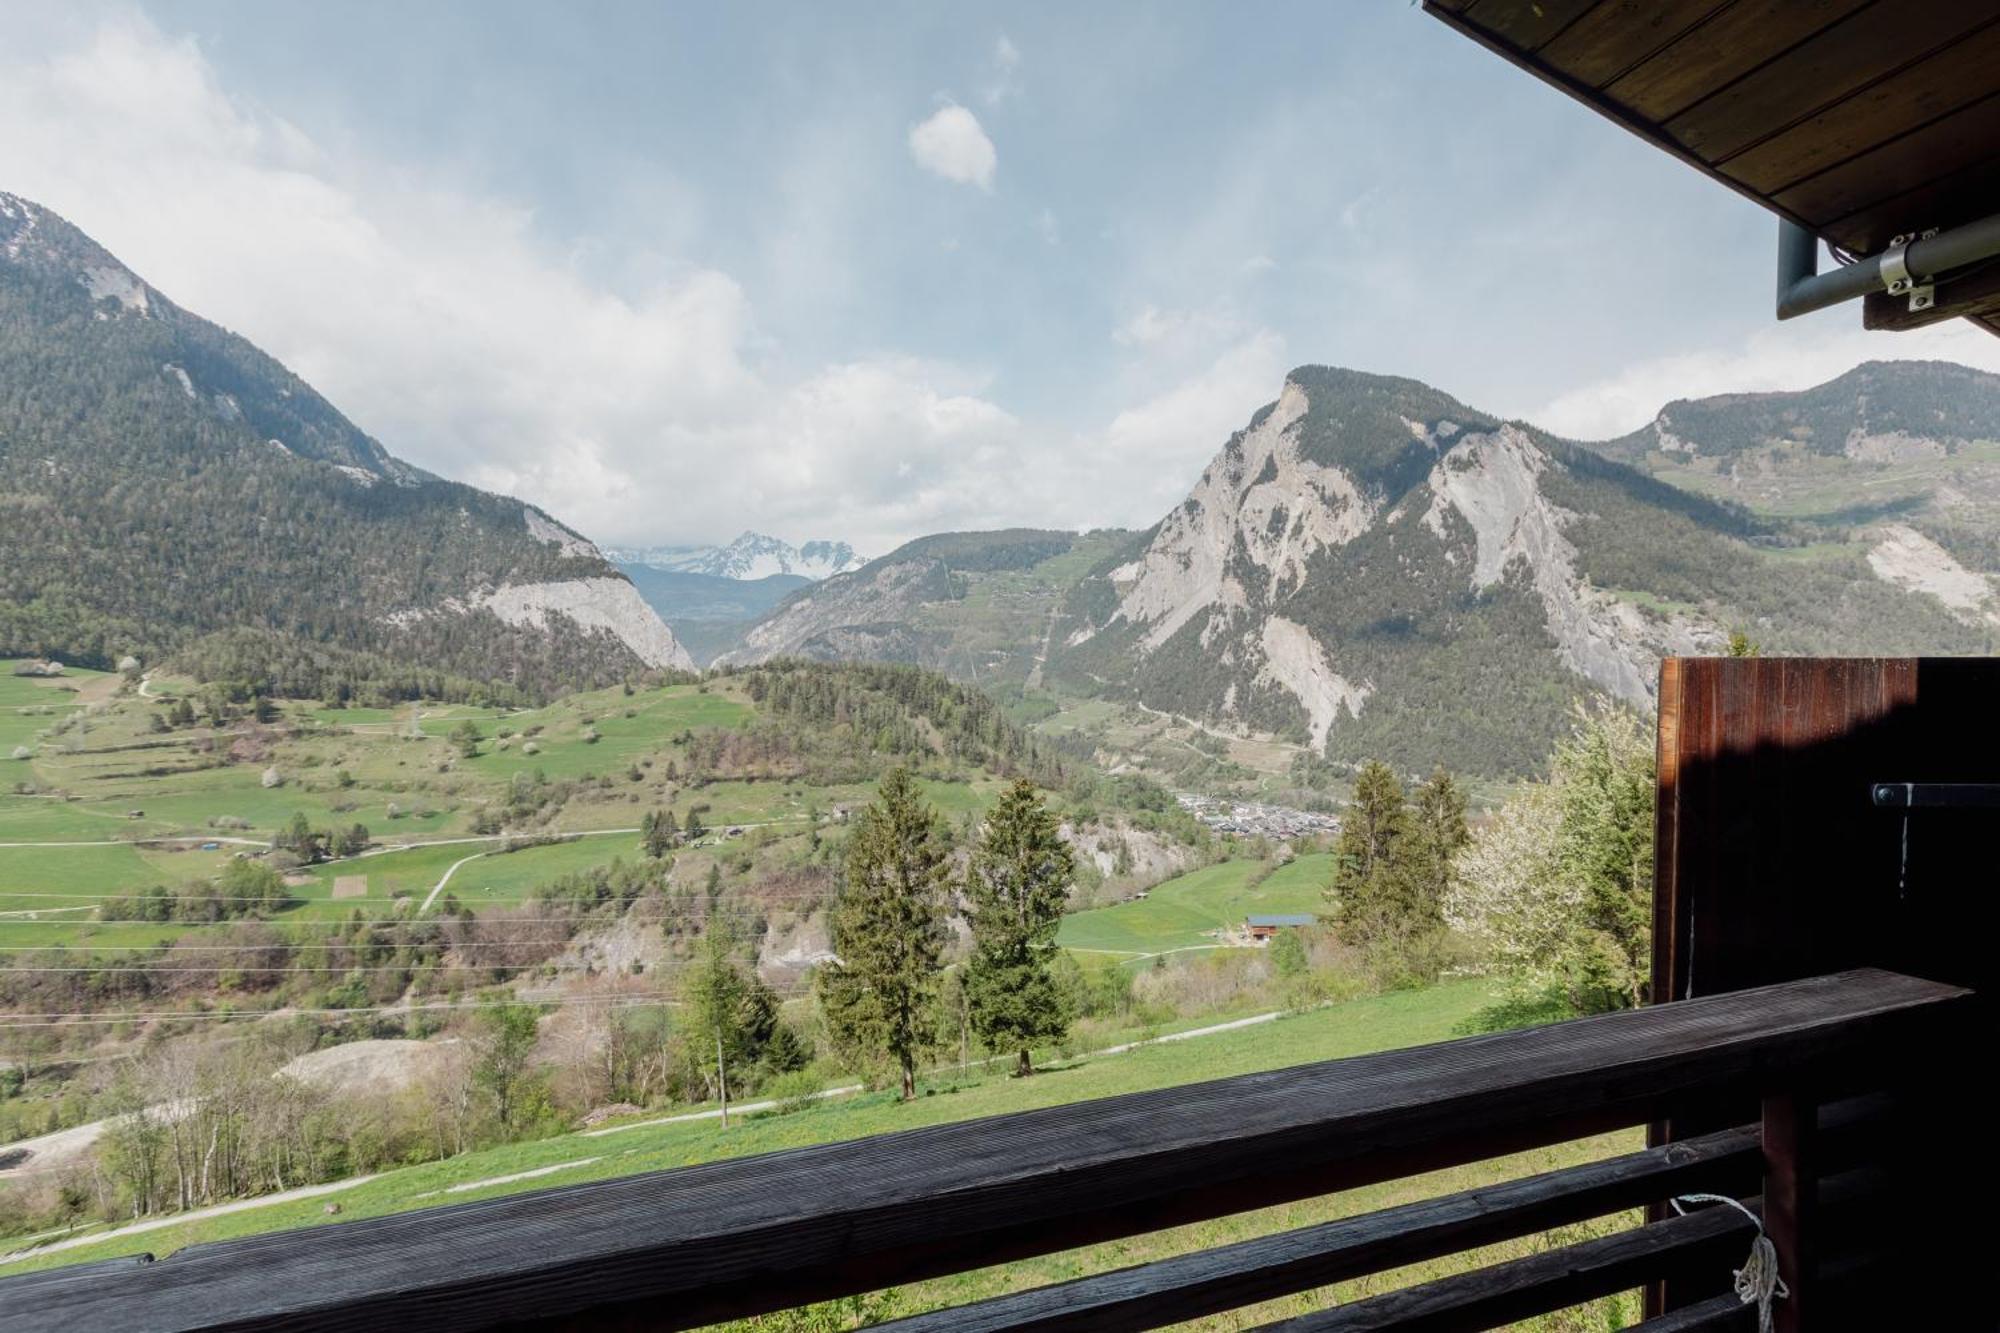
{"x": 1016, "y": 885}
{"x": 1436, "y": 833}
{"x": 659, "y": 831}
{"x": 1369, "y": 885}
{"x": 889, "y": 927}
{"x": 715, "y": 994}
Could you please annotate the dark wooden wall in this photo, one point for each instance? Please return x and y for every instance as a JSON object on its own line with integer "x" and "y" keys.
{"x": 1773, "y": 862}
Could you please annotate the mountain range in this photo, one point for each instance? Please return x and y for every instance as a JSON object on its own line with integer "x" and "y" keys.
{"x": 167, "y": 489}
{"x": 1369, "y": 568}
{"x": 750, "y": 557}
{"x": 1373, "y": 568}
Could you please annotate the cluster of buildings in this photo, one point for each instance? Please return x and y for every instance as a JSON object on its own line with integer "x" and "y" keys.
{"x": 1256, "y": 819}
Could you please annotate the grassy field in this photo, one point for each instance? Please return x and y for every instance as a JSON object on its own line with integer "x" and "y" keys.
{"x": 1356, "y": 1027}
{"x": 1186, "y": 912}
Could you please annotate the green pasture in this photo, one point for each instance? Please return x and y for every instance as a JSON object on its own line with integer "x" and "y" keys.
{"x": 87, "y": 873}
{"x": 1405, "y": 1018}
{"x": 1183, "y": 912}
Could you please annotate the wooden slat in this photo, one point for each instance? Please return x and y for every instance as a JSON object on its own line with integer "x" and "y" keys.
{"x": 1618, "y": 34}
{"x": 1553, "y": 1280}
{"x": 1818, "y": 73}
{"x": 1896, "y": 167}
{"x": 1188, "y": 1286}
{"x": 1944, "y": 202}
{"x": 1527, "y": 24}
{"x": 679, "y": 1248}
{"x": 1887, "y": 110}
{"x": 1730, "y": 44}
{"x": 1718, "y": 1314}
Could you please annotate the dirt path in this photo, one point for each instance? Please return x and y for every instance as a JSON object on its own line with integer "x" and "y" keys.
{"x": 1048, "y": 641}
{"x": 195, "y": 1215}
{"x": 742, "y": 1108}
{"x": 445, "y": 879}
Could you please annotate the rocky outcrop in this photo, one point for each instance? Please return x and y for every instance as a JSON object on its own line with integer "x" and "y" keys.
{"x": 865, "y": 615}
{"x": 610, "y": 604}
{"x": 1340, "y": 541}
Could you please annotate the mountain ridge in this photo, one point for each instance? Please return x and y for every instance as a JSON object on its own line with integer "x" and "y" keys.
{"x": 751, "y": 556}
{"x": 164, "y": 479}
{"x": 1376, "y": 569}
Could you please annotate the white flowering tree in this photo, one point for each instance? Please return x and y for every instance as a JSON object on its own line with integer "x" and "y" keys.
{"x": 1557, "y": 887}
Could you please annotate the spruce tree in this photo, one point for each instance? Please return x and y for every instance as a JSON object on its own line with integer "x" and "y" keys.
{"x": 659, "y": 832}
{"x": 1016, "y": 886}
{"x": 715, "y": 994}
{"x": 1436, "y": 833}
{"x": 889, "y": 927}
{"x": 1369, "y": 887}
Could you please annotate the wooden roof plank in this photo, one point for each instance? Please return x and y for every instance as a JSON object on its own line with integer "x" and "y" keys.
{"x": 1527, "y": 24}
{"x": 1618, "y": 34}
{"x": 1715, "y": 54}
{"x": 1945, "y": 201}
{"x": 1901, "y": 165}
{"x": 1920, "y": 93}
{"x": 1817, "y": 73}
{"x": 690, "y": 1245}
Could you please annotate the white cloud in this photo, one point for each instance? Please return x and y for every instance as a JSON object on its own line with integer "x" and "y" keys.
{"x": 951, "y": 144}
{"x": 439, "y": 320}
{"x": 1177, "y": 331}
{"x": 1169, "y": 438}
{"x": 1780, "y": 357}
{"x": 1006, "y": 59}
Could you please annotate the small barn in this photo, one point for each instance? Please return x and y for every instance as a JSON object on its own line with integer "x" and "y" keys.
{"x": 1262, "y": 928}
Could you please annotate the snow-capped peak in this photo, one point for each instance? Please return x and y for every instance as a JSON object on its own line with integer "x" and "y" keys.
{"x": 751, "y": 556}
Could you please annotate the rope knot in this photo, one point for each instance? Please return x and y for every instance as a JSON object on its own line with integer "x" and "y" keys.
{"x": 1757, "y": 1282}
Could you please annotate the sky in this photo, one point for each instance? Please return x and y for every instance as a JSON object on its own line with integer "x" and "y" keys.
{"x": 865, "y": 272}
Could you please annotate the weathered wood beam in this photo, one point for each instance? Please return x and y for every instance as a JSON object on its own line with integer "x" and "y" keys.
{"x": 676, "y": 1249}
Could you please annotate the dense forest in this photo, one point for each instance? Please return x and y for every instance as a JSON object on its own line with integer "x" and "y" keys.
{"x": 161, "y": 480}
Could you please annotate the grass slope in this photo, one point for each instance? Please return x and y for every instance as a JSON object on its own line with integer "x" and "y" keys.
{"x": 1354, "y": 1028}
{"x": 1185, "y": 912}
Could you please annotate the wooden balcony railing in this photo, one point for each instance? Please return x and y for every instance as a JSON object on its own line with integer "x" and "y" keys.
{"x": 676, "y": 1249}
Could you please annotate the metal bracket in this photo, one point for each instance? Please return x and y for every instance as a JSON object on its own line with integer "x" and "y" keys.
{"x": 1896, "y": 275}
{"x": 1937, "y": 795}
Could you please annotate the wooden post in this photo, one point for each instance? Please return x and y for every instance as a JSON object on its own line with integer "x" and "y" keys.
{"x": 1791, "y": 1187}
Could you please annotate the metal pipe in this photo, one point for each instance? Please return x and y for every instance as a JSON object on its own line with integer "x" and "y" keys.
{"x": 1802, "y": 289}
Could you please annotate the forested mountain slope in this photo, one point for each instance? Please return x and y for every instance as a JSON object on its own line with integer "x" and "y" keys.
{"x": 162, "y": 480}
{"x": 1380, "y": 570}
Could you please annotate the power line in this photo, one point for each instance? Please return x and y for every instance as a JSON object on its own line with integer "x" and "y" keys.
{"x": 326, "y": 969}
{"x": 280, "y": 944}
{"x": 627, "y": 1001}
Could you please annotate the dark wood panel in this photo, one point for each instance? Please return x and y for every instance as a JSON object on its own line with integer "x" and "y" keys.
{"x": 1618, "y": 34}
{"x": 1945, "y": 202}
{"x": 1706, "y": 1241}
{"x": 1887, "y": 110}
{"x": 1526, "y": 24}
{"x": 1965, "y": 136}
{"x": 1210, "y": 1281}
{"x": 1727, "y": 46}
{"x": 1817, "y": 73}
{"x": 1718, "y": 1314}
{"x": 679, "y": 1248}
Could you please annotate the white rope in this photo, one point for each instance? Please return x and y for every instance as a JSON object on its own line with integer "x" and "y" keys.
{"x": 1757, "y": 1282}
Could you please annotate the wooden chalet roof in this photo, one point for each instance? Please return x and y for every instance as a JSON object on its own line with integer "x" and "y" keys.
{"x": 1859, "y": 119}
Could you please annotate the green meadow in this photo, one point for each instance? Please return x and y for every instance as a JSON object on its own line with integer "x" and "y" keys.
{"x": 1187, "y": 912}
{"x": 1355, "y": 1027}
